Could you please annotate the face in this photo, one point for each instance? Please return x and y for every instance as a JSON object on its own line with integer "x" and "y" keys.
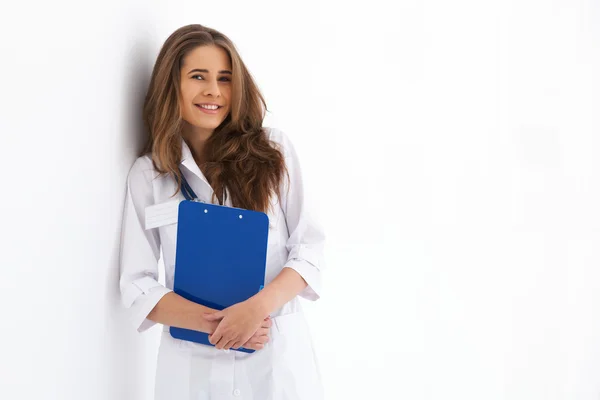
{"x": 205, "y": 80}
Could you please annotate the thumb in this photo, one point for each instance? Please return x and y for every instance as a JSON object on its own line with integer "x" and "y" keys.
{"x": 213, "y": 316}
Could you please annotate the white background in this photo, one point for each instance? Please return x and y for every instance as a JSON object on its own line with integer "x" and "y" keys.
{"x": 453, "y": 147}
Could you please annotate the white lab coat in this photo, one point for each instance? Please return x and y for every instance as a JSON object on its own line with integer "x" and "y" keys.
{"x": 286, "y": 368}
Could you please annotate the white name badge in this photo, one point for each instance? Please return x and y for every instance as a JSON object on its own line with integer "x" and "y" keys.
{"x": 162, "y": 214}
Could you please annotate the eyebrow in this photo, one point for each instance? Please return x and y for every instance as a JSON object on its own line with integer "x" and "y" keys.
{"x": 225, "y": 71}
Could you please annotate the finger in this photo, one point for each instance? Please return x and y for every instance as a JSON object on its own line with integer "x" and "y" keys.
{"x": 213, "y": 316}
{"x": 257, "y": 337}
{"x": 256, "y": 346}
{"x": 262, "y": 339}
{"x": 267, "y": 323}
{"x": 261, "y": 332}
{"x": 221, "y": 343}
{"x": 226, "y": 337}
{"x": 237, "y": 345}
{"x": 252, "y": 346}
{"x": 229, "y": 344}
{"x": 259, "y": 340}
{"x": 216, "y": 336}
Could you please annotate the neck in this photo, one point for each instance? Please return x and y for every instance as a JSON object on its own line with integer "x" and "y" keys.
{"x": 196, "y": 138}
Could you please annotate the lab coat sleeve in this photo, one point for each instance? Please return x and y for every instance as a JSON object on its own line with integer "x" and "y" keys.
{"x": 140, "y": 249}
{"x": 306, "y": 236}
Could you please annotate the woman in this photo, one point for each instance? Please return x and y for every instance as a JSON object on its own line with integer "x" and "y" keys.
{"x": 204, "y": 116}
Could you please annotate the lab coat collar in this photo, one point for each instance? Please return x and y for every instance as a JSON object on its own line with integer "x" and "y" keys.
{"x": 187, "y": 160}
{"x": 186, "y": 153}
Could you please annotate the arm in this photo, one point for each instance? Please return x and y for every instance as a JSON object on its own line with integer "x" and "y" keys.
{"x": 174, "y": 310}
{"x": 283, "y": 288}
{"x": 301, "y": 274}
{"x": 146, "y": 300}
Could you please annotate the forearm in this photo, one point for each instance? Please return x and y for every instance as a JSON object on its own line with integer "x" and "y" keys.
{"x": 174, "y": 310}
{"x": 279, "y": 291}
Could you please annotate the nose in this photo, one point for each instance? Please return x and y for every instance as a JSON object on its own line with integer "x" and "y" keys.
{"x": 211, "y": 88}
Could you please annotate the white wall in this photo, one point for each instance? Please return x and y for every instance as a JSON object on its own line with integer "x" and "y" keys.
{"x": 454, "y": 145}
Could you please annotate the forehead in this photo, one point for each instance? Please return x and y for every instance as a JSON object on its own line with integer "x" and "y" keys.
{"x": 212, "y": 58}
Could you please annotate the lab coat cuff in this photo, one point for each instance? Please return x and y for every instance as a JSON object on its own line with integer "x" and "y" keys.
{"x": 310, "y": 274}
{"x": 138, "y": 287}
{"x": 144, "y": 304}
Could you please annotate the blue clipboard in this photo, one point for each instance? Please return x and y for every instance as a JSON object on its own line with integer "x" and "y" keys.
{"x": 220, "y": 259}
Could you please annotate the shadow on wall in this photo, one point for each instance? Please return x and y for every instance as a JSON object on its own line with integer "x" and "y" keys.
{"x": 129, "y": 361}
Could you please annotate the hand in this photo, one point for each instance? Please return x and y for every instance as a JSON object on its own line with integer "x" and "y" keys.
{"x": 261, "y": 337}
{"x": 238, "y": 324}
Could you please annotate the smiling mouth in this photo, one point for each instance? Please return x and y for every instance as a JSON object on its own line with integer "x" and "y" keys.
{"x": 209, "y": 110}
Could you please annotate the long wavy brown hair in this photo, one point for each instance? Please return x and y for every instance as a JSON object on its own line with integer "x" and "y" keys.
{"x": 239, "y": 155}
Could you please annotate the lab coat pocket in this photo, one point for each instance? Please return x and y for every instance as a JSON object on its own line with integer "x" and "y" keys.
{"x": 295, "y": 366}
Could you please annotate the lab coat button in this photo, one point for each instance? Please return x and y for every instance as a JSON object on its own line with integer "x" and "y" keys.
{"x": 236, "y": 392}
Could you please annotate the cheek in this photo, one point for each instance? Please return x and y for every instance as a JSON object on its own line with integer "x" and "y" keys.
{"x": 186, "y": 103}
{"x": 187, "y": 115}
{"x": 188, "y": 98}
{"x": 186, "y": 111}
{"x": 187, "y": 91}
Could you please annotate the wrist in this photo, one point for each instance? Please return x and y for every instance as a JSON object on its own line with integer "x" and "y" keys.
{"x": 261, "y": 304}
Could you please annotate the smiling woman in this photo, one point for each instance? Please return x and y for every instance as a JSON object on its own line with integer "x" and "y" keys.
{"x": 200, "y": 66}
{"x": 204, "y": 116}
{"x": 205, "y": 94}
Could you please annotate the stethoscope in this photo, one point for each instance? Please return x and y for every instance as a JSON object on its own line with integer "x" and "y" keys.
{"x": 189, "y": 193}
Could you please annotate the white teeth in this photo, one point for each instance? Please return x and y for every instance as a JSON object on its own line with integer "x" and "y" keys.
{"x": 212, "y": 107}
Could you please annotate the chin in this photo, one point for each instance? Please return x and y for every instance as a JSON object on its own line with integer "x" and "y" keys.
{"x": 211, "y": 125}
{"x": 205, "y": 125}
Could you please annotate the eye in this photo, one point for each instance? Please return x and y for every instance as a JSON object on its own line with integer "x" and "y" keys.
{"x": 226, "y": 79}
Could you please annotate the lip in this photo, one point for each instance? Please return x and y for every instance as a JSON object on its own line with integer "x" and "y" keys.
{"x": 204, "y": 110}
